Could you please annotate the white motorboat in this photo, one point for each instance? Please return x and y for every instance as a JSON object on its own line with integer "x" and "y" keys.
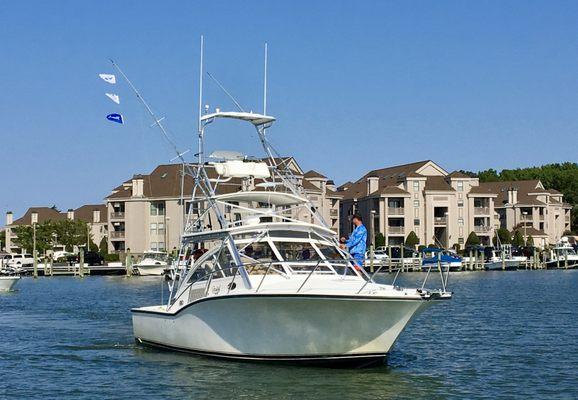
{"x": 500, "y": 259}
{"x": 562, "y": 256}
{"x": 152, "y": 263}
{"x": 7, "y": 282}
{"x": 253, "y": 282}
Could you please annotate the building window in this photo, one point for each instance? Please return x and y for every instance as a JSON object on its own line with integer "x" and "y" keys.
{"x": 153, "y": 228}
{"x": 461, "y": 221}
{"x": 416, "y": 222}
{"x": 416, "y": 185}
{"x": 460, "y": 186}
{"x": 158, "y": 208}
{"x": 460, "y": 203}
{"x": 416, "y": 203}
{"x": 161, "y": 228}
{"x": 461, "y": 240}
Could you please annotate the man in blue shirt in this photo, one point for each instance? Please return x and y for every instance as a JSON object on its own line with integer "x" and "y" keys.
{"x": 357, "y": 242}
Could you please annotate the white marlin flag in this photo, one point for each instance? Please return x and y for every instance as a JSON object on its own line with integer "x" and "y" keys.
{"x": 110, "y": 78}
{"x": 113, "y": 97}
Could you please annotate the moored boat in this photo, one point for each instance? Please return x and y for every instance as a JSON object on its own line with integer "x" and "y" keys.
{"x": 153, "y": 263}
{"x": 7, "y": 282}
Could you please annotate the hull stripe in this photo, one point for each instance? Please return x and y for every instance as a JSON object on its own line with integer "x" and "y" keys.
{"x": 319, "y": 358}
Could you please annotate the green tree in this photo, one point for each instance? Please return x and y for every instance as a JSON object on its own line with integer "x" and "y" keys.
{"x": 505, "y": 236}
{"x": 71, "y": 233}
{"x": 25, "y": 236}
{"x": 530, "y": 241}
{"x": 379, "y": 240}
{"x": 473, "y": 239}
{"x": 103, "y": 246}
{"x": 412, "y": 240}
{"x": 518, "y": 239}
{"x": 92, "y": 246}
{"x": 2, "y": 240}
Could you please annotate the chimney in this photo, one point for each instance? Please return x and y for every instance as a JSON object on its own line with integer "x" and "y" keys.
{"x": 137, "y": 186}
{"x": 96, "y": 216}
{"x": 70, "y": 213}
{"x": 9, "y": 218}
{"x": 514, "y": 195}
{"x": 34, "y": 217}
{"x": 372, "y": 184}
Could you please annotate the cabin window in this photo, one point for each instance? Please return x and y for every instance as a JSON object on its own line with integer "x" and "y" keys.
{"x": 329, "y": 252}
{"x": 297, "y": 251}
{"x": 256, "y": 252}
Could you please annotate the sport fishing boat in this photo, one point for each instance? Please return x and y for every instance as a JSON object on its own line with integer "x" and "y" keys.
{"x": 152, "y": 263}
{"x": 253, "y": 281}
{"x": 562, "y": 256}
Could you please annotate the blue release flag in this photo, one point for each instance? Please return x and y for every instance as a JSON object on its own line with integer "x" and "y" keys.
{"x": 115, "y": 118}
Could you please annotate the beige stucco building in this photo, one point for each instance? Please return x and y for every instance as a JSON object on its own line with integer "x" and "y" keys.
{"x": 94, "y": 215}
{"x": 148, "y": 212}
{"x": 527, "y": 206}
{"x": 441, "y": 208}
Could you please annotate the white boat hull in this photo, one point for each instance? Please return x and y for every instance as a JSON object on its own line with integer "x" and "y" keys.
{"x": 151, "y": 270}
{"x": 277, "y": 327}
{"x": 7, "y": 283}
{"x": 499, "y": 265}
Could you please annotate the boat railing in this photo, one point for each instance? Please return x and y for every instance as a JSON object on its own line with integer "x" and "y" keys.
{"x": 264, "y": 268}
{"x": 442, "y": 268}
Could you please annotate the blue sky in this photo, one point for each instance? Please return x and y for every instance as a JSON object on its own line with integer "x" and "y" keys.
{"x": 354, "y": 85}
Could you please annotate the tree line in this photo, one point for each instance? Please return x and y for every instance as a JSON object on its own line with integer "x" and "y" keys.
{"x": 49, "y": 234}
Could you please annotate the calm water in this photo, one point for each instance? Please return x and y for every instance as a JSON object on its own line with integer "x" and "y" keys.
{"x": 505, "y": 335}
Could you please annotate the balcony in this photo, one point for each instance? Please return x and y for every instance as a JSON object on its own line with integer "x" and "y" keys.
{"x": 440, "y": 220}
{"x": 395, "y": 211}
{"x": 117, "y": 215}
{"x": 482, "y": 229}
{"x": 117, "y": 234}
{"x": 528, "y": 218}
{"x": 481, "y": 210}
{"x": 395, "y": 230}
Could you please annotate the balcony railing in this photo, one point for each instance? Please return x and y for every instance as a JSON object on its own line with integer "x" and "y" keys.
{"x": 482, "y": 229}
{"x": 117, "y": 215}
{"x": 440, "y": 220}
{"x": 395, "y": 229}
{"x": 526, "y": 217}
{"x": 481, "y": 210}
{"x": 116, "y": 234}
{"x": 395, "y": 211}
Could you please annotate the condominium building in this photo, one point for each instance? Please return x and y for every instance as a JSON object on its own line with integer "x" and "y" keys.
{"x": 148, "y": 212}
{"x": 94, "y": 215}
{"x": 527, "y": 206}
{"x": 442, "y": 208}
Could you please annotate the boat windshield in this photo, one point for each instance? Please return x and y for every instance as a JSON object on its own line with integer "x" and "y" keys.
{"x": 155, "y": 256}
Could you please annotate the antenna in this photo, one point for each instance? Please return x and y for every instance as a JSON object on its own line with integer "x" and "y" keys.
{"x": 226, "y": 92}
{"x": 157, "y": 121}
{"x": 265, "y": 84}
{"x": 200, "y": 127}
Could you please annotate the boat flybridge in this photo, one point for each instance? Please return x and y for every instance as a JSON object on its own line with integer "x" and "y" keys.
{"x": 253, "y": 281}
